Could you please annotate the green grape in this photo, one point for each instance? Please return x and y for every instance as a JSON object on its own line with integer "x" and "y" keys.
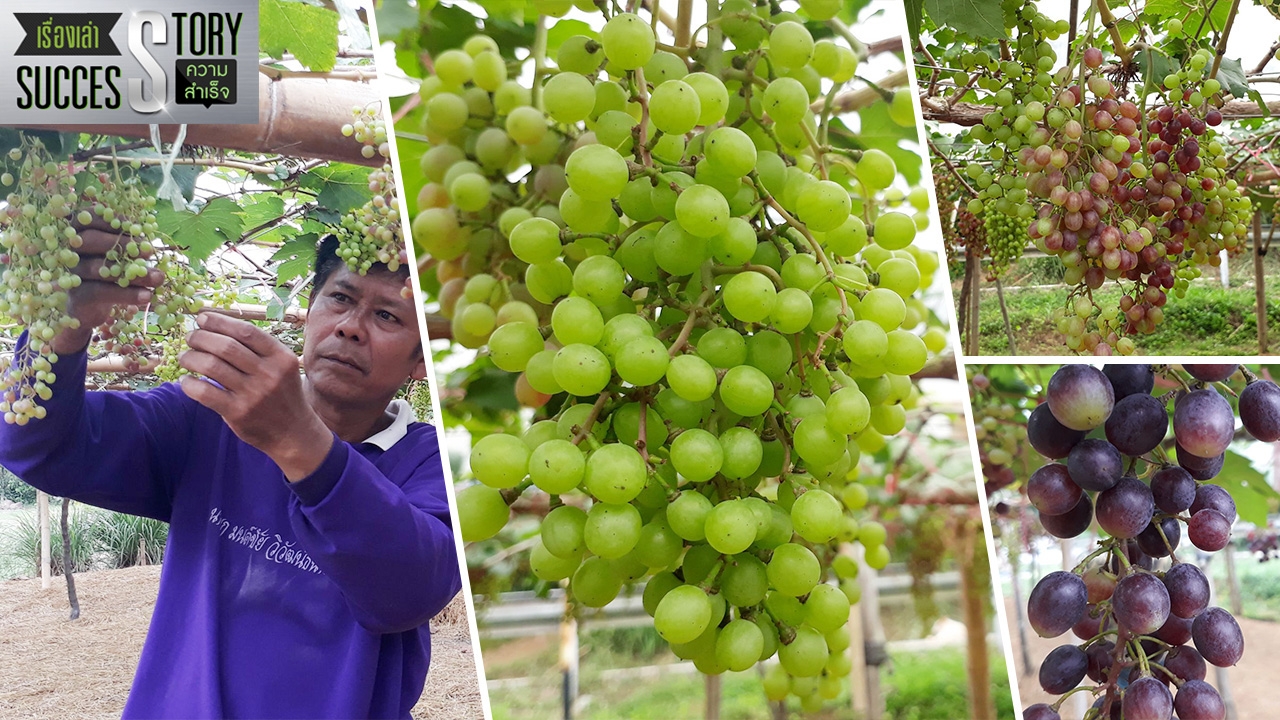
{"x": 883, "y": 307}
{"x": 581, "y": 369}
{"x": 793, "y": 570}
{"x": 658, "y": 546}
{"x": 678, "y": 251}
{"x": 687, "y": 515}
{"x": 577, "y": 320}
{"x": 907, "y": 354}
{"x": 730, "y": 525}
{"x": 657, "y": 588}
{"x": 595, "y": 583}
{"x": 786, "y": 101}
{"x": 750, "y": 296}
{"x": 628, "y": 41}
{"x": 596, "y": 172}
{"x": 580, "y": 54}
{"x": 697, "y": 455}
{"x": 744, "y": 580}
{"x": 526, "y": 125}
{"x": 611, "y": 530}
{"x": 818, "y": 444}
{"x": 674, "y": 107}
{"x": 806, "y": 655}
{"x": 730, "y": 151}
{"x": 511, "y": 345}
{"x": 568, "y": 97}
{"x": 550, "y": 567}
{"x": 664, "y": 66}
{"x": 876, "y": 169}
{"x": 702, "y": 211}
{"x": 790, "y": 45}
{"x": 894, "y": 230}
{"x": 482, "y": 512}
{"x": 739, "y": 645}
{"x": 499, "y": 461}
{"x": 746, "y": 391}
{"x": 848, "y": 411}
{"x": 556, "y": 466}
{"x": 562, "y": 531}
{"x": 823, "y": 205}
{"x": 691, "y": 377}
{"x": 683, "y": 614}
{"x": 713, "y": 97}
{"x": 615, "y": 473}
{"x": 723, "y": 348}
{"x": 599, "y": 278}
{"x": 816, "y": 516}
{"x": 643, "y": 361}
{"x": 743, "y": 452}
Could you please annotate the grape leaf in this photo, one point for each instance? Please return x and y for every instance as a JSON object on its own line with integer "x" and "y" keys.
{"x": 340, "y": 187}
{"x": 1154, "y": 66}
{"x": 565, "y": 29}
{"x": 447, "y": 27}
{"x": 915, "y": 11}
{"x": 260, "y": 208}
{"x": 203, "y": 232}
{"x": 298, "y": 254}
{"x": 395, "y": 16}
{"x": 1231, "y": 75}
{"x": 978, "y": 19}
{"x": 309, "y": 32}
{"x": 1247, "y": 486}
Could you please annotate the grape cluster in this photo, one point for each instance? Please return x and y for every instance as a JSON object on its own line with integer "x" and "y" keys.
{"x": 714, "y": 319}
{"x": 39, "y": 236}
{"x": 1132, "y": 601}
{"x": 372, "y": 232}
{"x": 999, "y": 414}
{"x": 1129, "y": 187}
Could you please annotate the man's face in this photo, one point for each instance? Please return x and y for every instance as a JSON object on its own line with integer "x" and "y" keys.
{"x": 361, "y": 341}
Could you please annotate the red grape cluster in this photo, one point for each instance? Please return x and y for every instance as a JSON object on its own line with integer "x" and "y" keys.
{"x": 1143, "y": 615}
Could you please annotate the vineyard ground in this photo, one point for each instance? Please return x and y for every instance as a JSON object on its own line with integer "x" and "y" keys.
{"x": 1210, "y": 320}
{"x": 53, "y": 668}
{"x": 1252, "y": 682}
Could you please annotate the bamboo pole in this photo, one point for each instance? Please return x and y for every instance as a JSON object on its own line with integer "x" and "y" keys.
{"x": 1259, "y": 282}
{"x": 981, "y": 703}
{"x": 298, "y": 117}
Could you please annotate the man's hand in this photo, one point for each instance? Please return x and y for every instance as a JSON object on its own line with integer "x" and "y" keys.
{"x": 92, "y": 302}
{"x": 260, "y": 397}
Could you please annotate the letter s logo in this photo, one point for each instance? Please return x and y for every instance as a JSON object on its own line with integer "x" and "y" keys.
{"x": 159, "y": 84}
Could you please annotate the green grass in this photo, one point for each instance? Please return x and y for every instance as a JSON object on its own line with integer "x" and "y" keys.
{"x": 924, "y": 686}
{"x": 1210, "y": 320}
{"x": 1259, "y": 587}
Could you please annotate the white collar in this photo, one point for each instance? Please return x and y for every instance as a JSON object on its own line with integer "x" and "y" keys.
{"x": 399, "y": 426}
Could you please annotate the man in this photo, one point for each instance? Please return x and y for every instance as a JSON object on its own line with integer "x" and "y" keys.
{"x": 310, "y": 539}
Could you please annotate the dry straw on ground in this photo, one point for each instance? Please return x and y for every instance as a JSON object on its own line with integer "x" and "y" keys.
{"x": 51, "y": 667}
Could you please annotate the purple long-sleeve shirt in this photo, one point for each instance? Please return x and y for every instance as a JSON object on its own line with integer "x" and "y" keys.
{"x": 277, "y": 600}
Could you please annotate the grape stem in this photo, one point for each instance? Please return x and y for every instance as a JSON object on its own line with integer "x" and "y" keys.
{"x": 585, "y": 428}
{"x": 822, "y": 257}
{"x": 1222, "y": 41}
{"x": 762, "y": 269}
{"x": 1109, "y": 22}
{"x": 510, "y": 495}
{"x": 956, "y": 173}
{"x": 539, "y": 53}
{"x": 1073, "y": 691}
{"x": 683, "y": 338}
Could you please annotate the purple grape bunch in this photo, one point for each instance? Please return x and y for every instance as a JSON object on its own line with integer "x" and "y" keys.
{"x": 1141, "y": 614}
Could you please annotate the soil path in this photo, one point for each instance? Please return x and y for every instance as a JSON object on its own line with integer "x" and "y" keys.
{"x": 53, "y": 668}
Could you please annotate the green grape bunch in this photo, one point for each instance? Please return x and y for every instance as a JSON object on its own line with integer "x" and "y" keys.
{"x": 713, "y": 310}
{"x": 372, "y": 233}
{"x": 39, "y": 236}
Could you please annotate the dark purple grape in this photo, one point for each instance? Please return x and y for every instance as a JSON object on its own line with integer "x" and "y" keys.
{"x": 1151, "y": 542}
{"x": 1260, "y": 410}
{"x": 1080, "y": 396}
{"x": 1147, "y": 699}
{"x": 1126, "y": 509}
{"x": 1174, "y": 631}
{"x": 1137, "y": 424}
{"x": 1217, "y": 637}
{"x": 1040, "y": 711}
{"x": 1049, "y": 437}
{"x": 1185, "y": 662}
{"x": 1051, "y": 489}
{"x": 1198, "y": 700}
{"x": 1210, "y": 373}
{"x": 1198, "y": 467}
{"x": 1140, "y": 603}
{"x": 1209, "y": 530}
{"x": 1100, "y": 660}
{"x": 1127, "y": 380}
{"x": 1173, "y": 489}
{"x": 1095, "y": 464}
{"x": 1063, "y": 669}
{"x": 1188, "y": 590}
{"x": 1217, "y": 498}
{"x": 1203, "y": 423}
{"x": 1114, "y": 698}
{"x": 1137, "y": 558}
{"x": 1056, "y": 603}
{"x": 1071, "y": 523}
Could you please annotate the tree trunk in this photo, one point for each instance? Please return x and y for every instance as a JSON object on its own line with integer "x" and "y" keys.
{"x": 68, "y": 569}
{"x": 46, "y": 539}
{"x": 713, "y": 697}
{"x": 1260, "y": 282}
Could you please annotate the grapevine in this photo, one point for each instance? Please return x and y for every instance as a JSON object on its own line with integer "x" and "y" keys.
{"x": 40, "y": 235}
{"x": 1111, "y": 159}
{"x": 713, "y": 307}
{"x": 371, "y": 233}
{"x": 1140, "y": 609}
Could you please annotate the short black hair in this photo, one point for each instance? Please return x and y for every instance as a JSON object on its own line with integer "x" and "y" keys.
{"x": 327, "y": 261}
